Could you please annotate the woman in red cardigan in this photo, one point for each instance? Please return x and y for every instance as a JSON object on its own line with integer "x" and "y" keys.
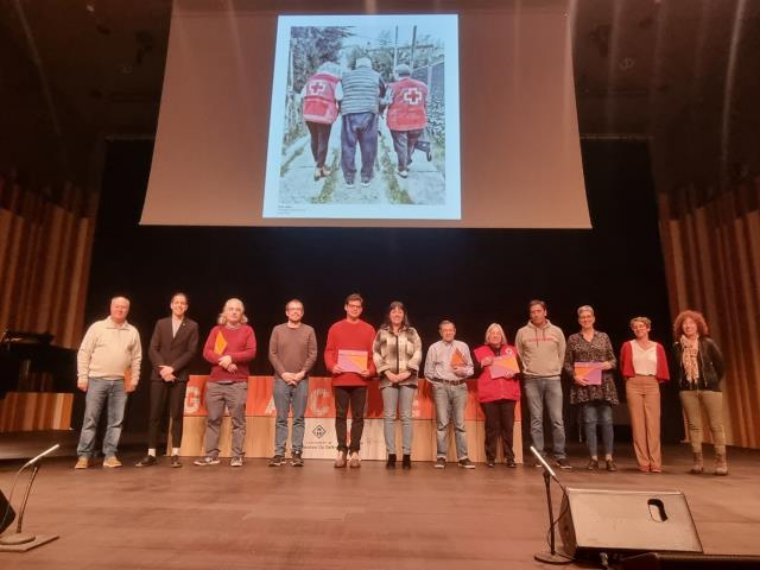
{"x": 644, "y": 366}
{"x": 498, "y": 392}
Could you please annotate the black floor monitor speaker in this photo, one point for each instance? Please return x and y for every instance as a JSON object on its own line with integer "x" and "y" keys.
{"x": 7, "y": 514}
{"x": 614, "y": 522}
{"x": 657, "y": 561}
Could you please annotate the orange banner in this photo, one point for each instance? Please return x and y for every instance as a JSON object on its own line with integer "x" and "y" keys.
{"x": 321, "y": 401}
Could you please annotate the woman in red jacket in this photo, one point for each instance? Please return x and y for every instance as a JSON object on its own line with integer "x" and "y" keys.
{"x": 320, "y": 109}
{"x": 644, "y": 366}
{"x": 498, "y": 391}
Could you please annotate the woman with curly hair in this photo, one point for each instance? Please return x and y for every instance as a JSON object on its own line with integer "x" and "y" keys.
{"x": 701, "y": 368}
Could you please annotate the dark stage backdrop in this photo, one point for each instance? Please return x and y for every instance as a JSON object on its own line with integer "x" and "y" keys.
{"x": 473, "y": 277}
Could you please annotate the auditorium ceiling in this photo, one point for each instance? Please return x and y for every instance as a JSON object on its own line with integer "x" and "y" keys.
{"x": 641, "y": 66}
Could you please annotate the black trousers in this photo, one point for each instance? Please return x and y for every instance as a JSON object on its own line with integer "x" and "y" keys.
{"x": 356, "y": 398}
{"x": 160, "y": 393}
{"x": 320, "y": 138}
{"x": 500, "y": 420}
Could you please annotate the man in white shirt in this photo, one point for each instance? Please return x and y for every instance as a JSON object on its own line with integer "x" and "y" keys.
{"x": 447, "y": 366}
{"x": 108, "y": 368}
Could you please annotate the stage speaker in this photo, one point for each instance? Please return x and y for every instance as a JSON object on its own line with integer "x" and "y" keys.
{"x": 657, "y": 561}
{"x": 7, "y": 514}
{"x": 594, "y": 521}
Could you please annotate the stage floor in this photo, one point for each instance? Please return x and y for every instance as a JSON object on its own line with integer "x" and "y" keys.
{"x": 320, "y": 517}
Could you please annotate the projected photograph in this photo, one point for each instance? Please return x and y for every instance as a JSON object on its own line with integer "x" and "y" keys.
{"x": 364, "y": 118}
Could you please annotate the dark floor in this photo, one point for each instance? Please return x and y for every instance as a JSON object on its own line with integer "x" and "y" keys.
{"x": 320, "y": 517}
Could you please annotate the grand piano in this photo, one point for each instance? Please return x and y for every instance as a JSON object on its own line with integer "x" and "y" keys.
{"x": 30, "y": 363}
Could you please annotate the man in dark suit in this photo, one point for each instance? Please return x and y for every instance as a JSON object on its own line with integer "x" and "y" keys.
{"x": 172, "y": 348}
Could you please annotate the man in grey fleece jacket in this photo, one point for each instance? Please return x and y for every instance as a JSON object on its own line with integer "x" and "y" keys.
{"x": 541, "y": 347}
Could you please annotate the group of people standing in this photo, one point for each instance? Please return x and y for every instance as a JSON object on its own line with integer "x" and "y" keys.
{"x": 360, "y": 96}
{"x": 644, "y": 366}
{"x": 355, "y": 353}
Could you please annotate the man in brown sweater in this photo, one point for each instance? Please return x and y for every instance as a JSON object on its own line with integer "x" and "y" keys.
{"x": 292, "y": 352}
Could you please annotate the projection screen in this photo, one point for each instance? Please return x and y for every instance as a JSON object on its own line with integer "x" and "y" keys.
{"x": 464, "y": 118}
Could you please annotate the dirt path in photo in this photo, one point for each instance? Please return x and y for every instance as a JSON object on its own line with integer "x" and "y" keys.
{"x": 424, "y": 185}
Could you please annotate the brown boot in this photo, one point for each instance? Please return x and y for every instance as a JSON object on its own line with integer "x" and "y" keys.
{"x": 721, "y": 465}
{"x": 699, "y": 465}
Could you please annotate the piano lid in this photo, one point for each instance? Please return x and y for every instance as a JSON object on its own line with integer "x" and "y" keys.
{"x": 11, "y": 337}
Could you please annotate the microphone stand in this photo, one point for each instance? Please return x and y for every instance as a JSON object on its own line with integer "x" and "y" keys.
{"x": 19, "y": 541}
{"x": 17, "y": 537}
{"x": 551, "y": 557}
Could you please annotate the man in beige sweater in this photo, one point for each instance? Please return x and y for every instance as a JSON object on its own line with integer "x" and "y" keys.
{"x": 108, "y": 367}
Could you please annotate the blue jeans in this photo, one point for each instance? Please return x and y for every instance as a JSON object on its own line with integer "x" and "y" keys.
{"x": 285, "y": 396}
{"x": 538, "y": 390}
{"x": 358, "y": 128}
{"x": 98, "y": 391}
{"x": 450, "y": 402}
{"x": 401, "y": 397}
{"x": 594, "y": 413}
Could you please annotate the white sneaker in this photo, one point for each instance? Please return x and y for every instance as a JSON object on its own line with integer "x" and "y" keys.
{"x": 355, "y": 461}
{"x": 340, "y": 461}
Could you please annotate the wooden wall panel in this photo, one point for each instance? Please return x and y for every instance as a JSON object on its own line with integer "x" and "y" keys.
{"x": 712, "y": 251}
{"x": 35, "y": 411}
{"x": 45, "y": 253}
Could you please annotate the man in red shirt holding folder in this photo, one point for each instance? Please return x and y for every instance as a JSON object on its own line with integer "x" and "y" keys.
{"x": 348, "y": 356}
{"x": 230, "y": 347}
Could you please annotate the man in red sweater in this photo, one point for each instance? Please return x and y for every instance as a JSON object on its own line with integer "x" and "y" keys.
{"x": 230, "y": 346}
{"x": 348, "y": 356}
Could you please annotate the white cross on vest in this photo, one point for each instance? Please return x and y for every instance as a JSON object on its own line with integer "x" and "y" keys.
{"x": 412, "y": 95}
{"x": 316, "y": 87}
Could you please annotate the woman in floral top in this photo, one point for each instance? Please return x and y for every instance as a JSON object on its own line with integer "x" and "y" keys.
{"x": 589, "y": 361}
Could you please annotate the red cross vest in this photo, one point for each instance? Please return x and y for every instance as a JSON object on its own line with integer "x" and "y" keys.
{"x": 319, "y": 104}
{"x": 407, "y": 110}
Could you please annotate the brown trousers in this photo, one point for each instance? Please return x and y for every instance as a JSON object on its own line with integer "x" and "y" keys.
{"x": 693, "y": 402}
{"x": 643, "y": 395}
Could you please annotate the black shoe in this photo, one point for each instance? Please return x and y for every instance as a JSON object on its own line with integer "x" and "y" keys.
{"x": 276, "y": 461}
{"x": 510, "y": 463}
{"x": 466, "y": 464}
{"x": 175, "y": 462}
{"x": 147, "y": 461}
{"x": 296, "y": 459}
{"x": 391, "y": 462}
{"x": 491, "y": 463}
{"x": 563, "y": 463}
{"x": 406, "y": 461}
{"x": 611, "y": 465}
{"x": 440, "y": 463}
{"x": 592, "y": 465}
